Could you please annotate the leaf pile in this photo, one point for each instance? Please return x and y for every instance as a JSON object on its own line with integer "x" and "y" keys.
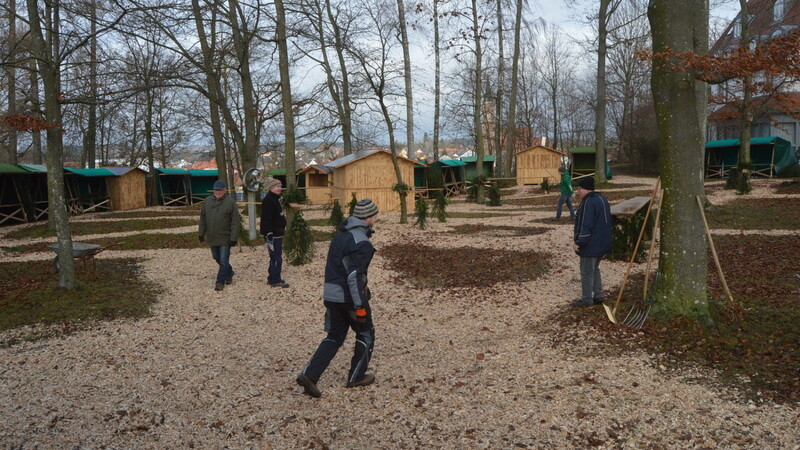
{"x": 145, "y": 241}
{"x": 756, "y": 214}
{"x": 499, "y": 229}
{"x": 788, "y": 187}
{"x": 758, "y": 351}
{"x": 427, "y": 267}
{"x": 88, "y": 227}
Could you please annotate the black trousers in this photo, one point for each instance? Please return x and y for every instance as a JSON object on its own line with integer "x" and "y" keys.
{"x": 337, "y": 323}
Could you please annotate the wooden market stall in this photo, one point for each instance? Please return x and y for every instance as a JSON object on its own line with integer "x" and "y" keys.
{"x": 127, "y": 189}
{"x": 89, "y": 187}
{"x": 453, "y": 179}
{"x": 370, "y": 174}
{"x": 35, "y": 191}
{"x": 316, "y": 181}
{"x": 174, "y": 187}
{"x": 538, "y": 163}
{"x": 471, "y": 169}
{"x": 202, "y": 184}
{"x": 12, "y": 207}
{"x": 771, "y": 156}
{"x": 583, "y": 162}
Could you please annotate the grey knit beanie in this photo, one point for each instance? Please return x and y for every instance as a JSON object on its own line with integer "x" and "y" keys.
{"x": 364, "y": 209}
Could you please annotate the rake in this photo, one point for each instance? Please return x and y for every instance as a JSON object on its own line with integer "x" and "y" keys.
{"x": 611, "y": 313}
{"x": 641, "y": 308}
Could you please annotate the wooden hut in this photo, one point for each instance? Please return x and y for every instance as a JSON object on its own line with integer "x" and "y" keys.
{"x": 127, "y": 189}
{"x": 538, "y": 163}
{"x": 471, "y": 169}
{"x": 583, "y": 162}
{"x": 370, "y": 174}
{"x": 174, "y": 187}
{"x": 315, "y": 180}
{"x": 771, "y": 156}
{"x": 278, "y": 174}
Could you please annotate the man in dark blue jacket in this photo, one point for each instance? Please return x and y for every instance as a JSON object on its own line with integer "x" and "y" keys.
{"x": 592, "y": 240}
{"x": 346, "y": 297}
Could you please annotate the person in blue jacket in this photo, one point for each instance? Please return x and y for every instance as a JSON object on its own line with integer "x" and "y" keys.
{"x": 592, "y": 240}
{"x": 346, "y": 298}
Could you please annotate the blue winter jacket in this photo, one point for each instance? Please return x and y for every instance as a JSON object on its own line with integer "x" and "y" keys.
{"x": 348, "y": 261}
{"x": 593, "y": 226}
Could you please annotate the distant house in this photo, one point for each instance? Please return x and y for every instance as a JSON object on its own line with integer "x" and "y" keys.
{"x": 769, "y": 19}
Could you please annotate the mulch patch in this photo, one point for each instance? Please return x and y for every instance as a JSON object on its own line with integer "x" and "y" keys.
{"x": 426, "y": 267}
{"x": 787, "y": 187}
{"x": 756, "y": 347}
{"x": 499, "y": 230}
{"x": 550, "y": 200}
{"x": 114, "y": 290}
{"x": 744, "y": 213}
{"x": 144, "y": 241}
{"x": 178, "y": 211}
{"x": 104, "y": 227}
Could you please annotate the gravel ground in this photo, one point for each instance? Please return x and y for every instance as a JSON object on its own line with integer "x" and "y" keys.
{"x": 455, "y": 368}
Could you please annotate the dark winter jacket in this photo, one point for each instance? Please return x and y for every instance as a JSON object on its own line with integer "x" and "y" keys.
{"x": 348, "y": 261}
{"x": 593, "y": 226}
{"x": 273, "y": 218}
{"x": 219, "y": 220}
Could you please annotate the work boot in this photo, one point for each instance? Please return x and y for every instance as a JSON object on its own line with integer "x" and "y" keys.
{"x": 229, "y": 280}
{"x": 281, "y": 284}
{"x": 309, "y": 387}
{"x": 366, "y": 380}
{"x": 219, "y": 287}
{"x": 597, "y": 301}
{"x": 580, "y": 302}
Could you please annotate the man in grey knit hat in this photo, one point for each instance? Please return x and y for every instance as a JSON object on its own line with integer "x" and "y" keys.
{"x": 346, "y": 298}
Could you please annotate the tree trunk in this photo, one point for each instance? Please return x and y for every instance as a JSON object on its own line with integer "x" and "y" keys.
{"x": 511, "y": 127}
{"x": 680, "y": 287}
{"x": 11, "y": 70}
{"x": 600, "y": 106}
{"x": 401, "y": 10}
{"x": 36, "y": 136}
{"x": 347, "y": 108}
{"x": 498, "y": 106}
{"x": 476, "y": 112}
{"x": 745, "y": 165}
{"x": 148, "y": 141}
{"x": 437, "y": 92}
{"x": 90, "y": 139}
{"x": 48, "y": 69}
{"x": 286, "y": 93}
{"x": 241, "y": 44}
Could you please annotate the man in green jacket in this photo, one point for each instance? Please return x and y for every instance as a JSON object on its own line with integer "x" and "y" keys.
{"x": 566, "y": 194}
{"x": 219, "y": 224}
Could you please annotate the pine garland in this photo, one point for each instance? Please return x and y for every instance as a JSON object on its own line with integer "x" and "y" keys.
{"x": 439, "y": 205}
{"x": 337, "y": 215}
{"x": 299, "y": 242}
{"x": 495, "y": 197}
{"x": 421, "y": 206}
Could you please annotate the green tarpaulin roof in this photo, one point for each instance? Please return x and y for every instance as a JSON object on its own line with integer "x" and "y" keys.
{"x": 764, "y": 151}
{"x": 166, "y": 171}
{"x": 10, "y": 168}
{"x": 472, "y": 159}
{"x": 276, "y": 172}
{"x": 38, "y": 168}
{"x": 453, "y": 163}
{"x": 583, "y": 150}
{"x": 91, "y": 172}
{"x": 204, "y": 173}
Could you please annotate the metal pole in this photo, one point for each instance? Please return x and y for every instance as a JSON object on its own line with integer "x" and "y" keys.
{"x": 251, "y": 214}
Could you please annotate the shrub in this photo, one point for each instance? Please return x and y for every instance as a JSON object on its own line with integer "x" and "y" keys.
{"x": 421, "y": 207}
{"x": 299, "y": 242}
{"x": 351, "y": 207}
{"x": 495, "y": 198}
{"x": 439, "y": 205}
{"x": 337, "y": 215}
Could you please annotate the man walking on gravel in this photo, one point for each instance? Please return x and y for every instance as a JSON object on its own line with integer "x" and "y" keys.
{"x": 346, "y": 298}
{"x": 273, "y": 228}
{"x": 219, "y": 224}
{"x": 592, "y": 240}
{"x": 566, "y": 194}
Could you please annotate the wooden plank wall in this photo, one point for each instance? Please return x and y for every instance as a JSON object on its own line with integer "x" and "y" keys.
{"x": 127, "y": 191}
{"x": 372, "y": 177}
{"x": 537, "y": 164}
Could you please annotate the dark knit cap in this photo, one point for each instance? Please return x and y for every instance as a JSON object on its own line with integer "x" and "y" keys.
{"x": 365, "y": 209}
{"x": 219, "y": 185}
{"x": 587, "y": 183}
{"x": 272, "y": 183}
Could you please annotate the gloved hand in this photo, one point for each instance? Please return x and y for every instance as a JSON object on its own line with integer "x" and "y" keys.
{"x": 201, "y": 239}
{"x": 359, "y": 315}
{"x": 233, "y": 243}
{"x": 268, "y": 240}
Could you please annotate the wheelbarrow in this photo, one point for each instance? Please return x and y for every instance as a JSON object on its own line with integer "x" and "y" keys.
{"x": 81, "y": 252}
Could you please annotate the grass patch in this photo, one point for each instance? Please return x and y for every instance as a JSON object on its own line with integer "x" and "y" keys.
{"x": 787, "y": 187}
{"x": 318, "y": 222}
{"x": 756, "y": 214}
{"x": 552, "y": 220}
{"x": 757, "y": 350}
{"x": 549, "y": 200}
{"x": 413, "y": 260}
{"x": 499, "y": 230}
{"x": 320, "y": 236}
{"x": 87, "y": 227}
{"x": 140, "y": 214}
{"x": 115, "y": 290}
{"x": 144, "y": 241}
{"x": 475, "y": 215}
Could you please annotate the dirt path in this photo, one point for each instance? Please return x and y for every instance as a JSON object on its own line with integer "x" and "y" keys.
{"x": 456, "y": 368}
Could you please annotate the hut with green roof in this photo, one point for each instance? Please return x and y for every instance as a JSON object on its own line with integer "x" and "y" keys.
{"x": 583, "y": 162}
{"x": 771, "y": 156}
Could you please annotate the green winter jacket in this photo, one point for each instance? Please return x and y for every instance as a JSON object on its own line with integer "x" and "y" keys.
{"x": 566, "y": 184}
{"x": 219, "y": 220}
